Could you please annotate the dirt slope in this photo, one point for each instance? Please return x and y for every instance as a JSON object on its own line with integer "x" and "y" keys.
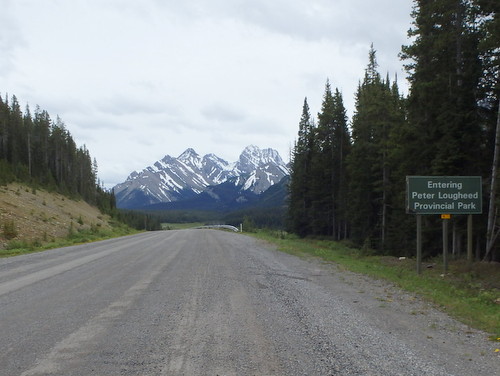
{"x": 40, "y": 216}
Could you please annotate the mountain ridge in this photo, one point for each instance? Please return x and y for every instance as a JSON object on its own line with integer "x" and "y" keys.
{"x": 189, "y": 175}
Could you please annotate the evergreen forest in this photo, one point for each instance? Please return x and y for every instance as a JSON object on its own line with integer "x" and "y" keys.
{"x": 39, "y": 151}
{"x": 348, "y": 178}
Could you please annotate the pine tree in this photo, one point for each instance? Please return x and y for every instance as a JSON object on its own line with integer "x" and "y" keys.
{"x": 40, "y": 142}
{"x": 323, "y": 193}
{"x": 444, "y": 71}
{"x": 488, "y": 21}
{"x": 28, "y": 129}
{"x": 299, "y": 199}
{"x": 342, "y": 148}
{"x": 399, "y": 150}
{"x": 4, "y": 120}
{"x": 489, "y": 104}
{"x": 363, "y": 156}
{"x": 377, "y": 117}
{"x": 15, "y": 134}
{"x": 36, "y": 150}
{"x": 329, "y": 176}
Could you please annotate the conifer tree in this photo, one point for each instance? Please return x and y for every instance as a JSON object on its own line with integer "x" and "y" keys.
{"x": 4, "y": 121}
{"x": 41, "y": 133}
{"x": 28, "y": 126}
{"x": 342, "y": 148}
{"x": 15, "y": 134}
{"x": 363, "y": 156}
{"x": 318, "y": 186}
{"x": 377, "y": 117}
{"x": 329, "y": 177}
{"x": 36, "y": 150}
{"x": 489, "y": 104}
{"x": 444, "y": 71}
{"x": 299, "y": 199}
{"x": 324, "y": 173}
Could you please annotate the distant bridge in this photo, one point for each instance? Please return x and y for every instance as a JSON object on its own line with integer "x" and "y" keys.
{"x": 224, "y": 227}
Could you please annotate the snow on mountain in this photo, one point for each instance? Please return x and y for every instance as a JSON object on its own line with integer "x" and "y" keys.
{"x": 174, "y": 179}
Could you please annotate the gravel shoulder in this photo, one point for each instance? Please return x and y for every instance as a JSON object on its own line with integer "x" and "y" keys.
{"x": 206, "y": 302}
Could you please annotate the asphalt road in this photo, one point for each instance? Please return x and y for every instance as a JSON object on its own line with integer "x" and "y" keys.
{"x": 207, "y": 302}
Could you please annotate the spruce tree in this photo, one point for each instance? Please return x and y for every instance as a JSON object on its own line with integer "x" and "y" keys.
{"x": 324, "y": 173}
{"x": 342, "y": 147}
{"x": 28, "y": 128}
{"x": 363, "y": 156}
{"x": 299, "y": 207}
{"x": 4, "y": 121}
{"x": 377, "y": 117}
{"x": 36, "y": 150}
{"x": 489, "y": 105}
{"x": 328, "y": 182}
{"x": 444, "y": 71}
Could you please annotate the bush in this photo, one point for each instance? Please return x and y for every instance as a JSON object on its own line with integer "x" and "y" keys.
{"x": 9, "y": 230}
{"x": 6, "y": 174}
{"x": 249, "y": 225}
{"x": 18, "y": 244}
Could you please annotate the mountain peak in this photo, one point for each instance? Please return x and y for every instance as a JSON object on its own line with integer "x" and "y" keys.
{"x": 253, "y": 157}
{"x": 188, "y": 154}
{"x": 251, "y": 149}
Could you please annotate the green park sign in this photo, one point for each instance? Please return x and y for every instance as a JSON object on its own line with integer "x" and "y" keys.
{"x": 443, "y": 195}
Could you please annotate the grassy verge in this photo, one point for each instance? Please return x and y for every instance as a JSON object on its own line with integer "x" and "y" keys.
{"x": 16, "y": 247}
{"x": 472, "y": 295}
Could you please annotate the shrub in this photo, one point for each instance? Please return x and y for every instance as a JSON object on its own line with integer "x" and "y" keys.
{"x": 17, "y": 244}
{"x": 9, "y": 230}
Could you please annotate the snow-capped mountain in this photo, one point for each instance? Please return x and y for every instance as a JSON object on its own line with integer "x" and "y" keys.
{"x": 174, "y": 179}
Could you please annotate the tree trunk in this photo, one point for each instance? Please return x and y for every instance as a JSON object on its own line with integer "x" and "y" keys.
{"x": 385, "y": 185}
{"x": 491, "y": 234}
{"x": 454, "y": 242}
{"x": 29, "y": 153}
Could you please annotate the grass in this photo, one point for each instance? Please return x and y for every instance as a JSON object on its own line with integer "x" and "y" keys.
{"x": 471, "y": 295}
{"x": 17, "y": 247}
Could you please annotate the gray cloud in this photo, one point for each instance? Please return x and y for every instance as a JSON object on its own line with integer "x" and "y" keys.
{"x": 125, "y": 105}
{"x": 11, "y": 38}
{"x": 342, "y": 20}
{"x": 135, "y": 80}
{"x": 219, "y": 112}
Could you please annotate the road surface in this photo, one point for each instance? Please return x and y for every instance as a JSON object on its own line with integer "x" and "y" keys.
{"x": 208, "y": 302}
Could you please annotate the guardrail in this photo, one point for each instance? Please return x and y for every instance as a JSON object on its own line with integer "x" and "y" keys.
{"x": 225, "y": 227}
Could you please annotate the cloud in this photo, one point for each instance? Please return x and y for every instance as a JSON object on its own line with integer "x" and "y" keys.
{"x": 343, "y": 21}
{"x": 135, "y": 80}
{"x": 127, "y": 105}
{"x": 226, "y": 113}
{"x": 11, "y": 38}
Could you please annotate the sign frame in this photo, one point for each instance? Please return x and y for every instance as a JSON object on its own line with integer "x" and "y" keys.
{"x": 429, "y": 195}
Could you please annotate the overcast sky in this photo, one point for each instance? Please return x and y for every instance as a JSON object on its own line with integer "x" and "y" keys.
{"x": 136, "y": 80}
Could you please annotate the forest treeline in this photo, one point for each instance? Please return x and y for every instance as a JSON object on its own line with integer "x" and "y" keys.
{"x": 40, "y": 151}
{"x": 348, "y": 177}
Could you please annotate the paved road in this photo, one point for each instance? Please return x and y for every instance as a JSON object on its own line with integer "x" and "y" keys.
{"x": 206, "y": 302}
